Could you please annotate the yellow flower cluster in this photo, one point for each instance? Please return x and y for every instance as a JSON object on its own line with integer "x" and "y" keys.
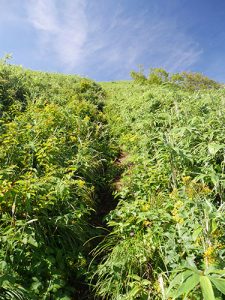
{"x": 211, "y": 252}
{"x": 146, "y": 223}
{"x": 193, "y": 188}
{"x": 206, "y": 189}
{"x": 5, "y": 187}
{"x": 29, "y": 126}
{"x": 196, "y": 189}
{"x": 186, "y": 179}
{"x": 80, "y": 183}
{"x": 145, "y": 207}
{"x": 73, "y": 138}
{"x": 175, "y": 212}
{"x": 174, "y": 194}
{"x": 209, "y": 255}
{"x": 86, "y": 119}
{"x": 220, "y": 246}
{"x": 130, "y": 137}
{"x": 178, "y": 204}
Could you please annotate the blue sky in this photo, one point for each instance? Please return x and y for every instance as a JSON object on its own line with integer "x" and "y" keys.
{"x": 106, "y": 39}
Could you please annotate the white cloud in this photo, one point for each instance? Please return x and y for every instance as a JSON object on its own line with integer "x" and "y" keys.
{"x": 61, "y": 31}
{"x": 43, "y": 15}
{"x": 81, "y": 36}
{"x": 154, "y": 43}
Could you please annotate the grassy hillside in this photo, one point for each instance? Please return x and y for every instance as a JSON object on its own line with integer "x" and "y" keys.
{"x": 168, "y": 227}
{"x": 54, "y": 155}
{"x": 70, "y": 148}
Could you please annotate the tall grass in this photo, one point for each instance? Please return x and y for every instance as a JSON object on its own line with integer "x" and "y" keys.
{"x": 170, "y": 217}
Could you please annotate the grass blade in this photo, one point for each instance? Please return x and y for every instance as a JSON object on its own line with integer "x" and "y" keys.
{"x": 207, "y": 289}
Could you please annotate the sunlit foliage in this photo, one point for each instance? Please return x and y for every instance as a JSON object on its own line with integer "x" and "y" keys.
{"x": 54, "y": 150}
{"x": 167, "y": 239}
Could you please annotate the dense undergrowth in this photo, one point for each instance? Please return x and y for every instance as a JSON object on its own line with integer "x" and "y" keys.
{"x": 59, "y": 138}
{"x": 167, "y": 238}
{"x": 55, "y": 154}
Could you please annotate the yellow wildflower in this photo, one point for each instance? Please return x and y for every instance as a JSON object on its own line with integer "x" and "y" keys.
{"x": 174, "y": 194}
{"x": 175, "y": 212}
{"x": 178, "y": 219}
{"x": 178, "y": 204}
{"x": 209, "y": 255}
{"x": 146, "y": 223}
{"x": 86, "y": 119}
{"x": 80, "y": 183}
{"x": 73, "y": 138}
{"x": 186, "y": 179}
{"x": 145, "y": 207}
{"x": 206, "y": 189}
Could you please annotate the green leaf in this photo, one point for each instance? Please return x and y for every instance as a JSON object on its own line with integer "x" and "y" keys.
{"x": 196, "y": 233}
{"x": 134, "y": 291}
{"x": 214, "y": 225}
{"x": 136, "y": 277}
{"x": 145, "y": 282}
{"x": 179, "y": 279}
{"x": 32, "y": 241}
{"x": 220, "y": 272}
{"x": 35, "y": 286}
{"x": 214, "y": 148}
{"x": 31, "y": 221}
{"x": 188, "y": 285}
{"x": 24, "y": 240}
{"x": 219, "y": 284}
{"x": 207, "y": 290}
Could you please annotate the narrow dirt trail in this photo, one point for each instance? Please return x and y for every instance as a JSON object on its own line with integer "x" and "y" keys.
{"x": 121, "y": 163}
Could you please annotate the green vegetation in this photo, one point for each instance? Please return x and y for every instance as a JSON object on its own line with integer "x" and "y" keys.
{"x": 54, "y": 153}
{"x": 64, "y": 140}
{"x": 186, "y": 80}
{"x": 167, "y": 238}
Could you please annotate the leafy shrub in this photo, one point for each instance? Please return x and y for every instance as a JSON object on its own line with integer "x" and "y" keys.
{"x": 189, "y": 81}
{"x": 139, "y": 76}
{"x": 158, "y": 76}
{"x": 13, "y": 90}
{"x": 53, "y": 154}
{"x": 167, "y": 239}
{"x": 194, "y": 81}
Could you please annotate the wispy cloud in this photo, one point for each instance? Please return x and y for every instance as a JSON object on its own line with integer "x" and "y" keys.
{"x": 145, "y": 39}
{"x": 62, "y": 30}
{"x": 105, "y": 37}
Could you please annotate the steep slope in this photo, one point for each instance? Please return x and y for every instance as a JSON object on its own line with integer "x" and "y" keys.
{"x": 70, "y": 149}
{"x": 55, "y": 154}
{"x": 170, "y": 218}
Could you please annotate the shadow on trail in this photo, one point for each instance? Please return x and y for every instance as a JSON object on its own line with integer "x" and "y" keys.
{"x": 105, "y": 202}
